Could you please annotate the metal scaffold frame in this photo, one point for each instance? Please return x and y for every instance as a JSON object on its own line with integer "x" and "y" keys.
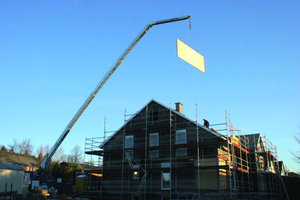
{"x": 233, "y": 167}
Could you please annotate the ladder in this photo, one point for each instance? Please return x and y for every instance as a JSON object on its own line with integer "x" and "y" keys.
{"x": 142, "y": 181}
{"x": 129, "y": 158}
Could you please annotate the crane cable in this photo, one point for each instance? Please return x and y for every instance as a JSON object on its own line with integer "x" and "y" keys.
{"x": 187, "y": 36}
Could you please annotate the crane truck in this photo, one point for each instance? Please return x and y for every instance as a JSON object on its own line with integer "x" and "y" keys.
{"x": 40, "y": 174}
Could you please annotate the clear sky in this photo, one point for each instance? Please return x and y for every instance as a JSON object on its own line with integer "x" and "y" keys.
{"x": 54, "y": 53}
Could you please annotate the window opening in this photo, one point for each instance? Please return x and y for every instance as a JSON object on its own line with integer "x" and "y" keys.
{"x": 154, "y": 139}
{"x": 129, "y": 141}
{"x": 181, "y": 137}
{"x": 135, "y": 175}
{"x": 165, "y": 180}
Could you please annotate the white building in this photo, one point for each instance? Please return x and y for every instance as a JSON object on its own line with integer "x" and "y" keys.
{"x": 11, "y": 178}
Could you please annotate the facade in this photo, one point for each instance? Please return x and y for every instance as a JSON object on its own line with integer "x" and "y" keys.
{"x": 160, "y": 153}
{"x": 282, "y": 169}
{"x": 265, "y": 169}
{"x": 11, "y": 178}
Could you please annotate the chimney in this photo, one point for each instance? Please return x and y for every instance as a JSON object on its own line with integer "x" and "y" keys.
{"x": 179, "y": 107}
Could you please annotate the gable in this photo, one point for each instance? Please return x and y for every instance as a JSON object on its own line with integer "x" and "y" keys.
{"x": 260, "y": 145}
{"x": 255, "y": 142}
{"x": 159, "y": 114}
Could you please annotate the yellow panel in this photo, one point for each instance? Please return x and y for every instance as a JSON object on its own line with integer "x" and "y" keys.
{"x": 190, "y": 56}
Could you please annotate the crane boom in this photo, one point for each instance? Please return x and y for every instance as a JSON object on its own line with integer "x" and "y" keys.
{"x": 44, "y": 165}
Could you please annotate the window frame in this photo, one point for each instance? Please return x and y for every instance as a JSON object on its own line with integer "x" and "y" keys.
{"x": 162, "y": 181}
{"x": 131, "y": 144}
{"x": 135, "y": 176}
{"x": 178, "y": 136}
{"x": 151, "y": 140}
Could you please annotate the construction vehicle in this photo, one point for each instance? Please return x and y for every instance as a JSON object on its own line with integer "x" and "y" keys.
{"x": 40, "y": 174}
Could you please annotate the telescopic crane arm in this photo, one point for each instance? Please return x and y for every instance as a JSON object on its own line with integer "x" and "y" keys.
{"x": 44, "y": 165}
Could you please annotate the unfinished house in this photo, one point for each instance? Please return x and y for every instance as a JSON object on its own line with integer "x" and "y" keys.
{"x": 282, "y": 169}
{"x": 159, "y": 153}
{"x": 265, "y": 169}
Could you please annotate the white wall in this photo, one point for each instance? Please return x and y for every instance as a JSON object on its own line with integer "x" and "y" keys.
{"x": 11, "y": 176}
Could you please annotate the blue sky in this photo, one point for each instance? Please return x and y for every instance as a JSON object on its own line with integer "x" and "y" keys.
{"x": 53, "y": 54}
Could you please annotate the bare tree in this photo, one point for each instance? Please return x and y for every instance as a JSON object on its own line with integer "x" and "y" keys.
{"x": 70, "y": 158}
{"x": 14, "y": 147}
{"x": 46, "y": 149}
{"x": 297, "y": 154}
{"x": 59, "y": 155}
{"x": 24, "y": 147}
{"x": 76, "y": 154}
{"x": 40, "y": 152}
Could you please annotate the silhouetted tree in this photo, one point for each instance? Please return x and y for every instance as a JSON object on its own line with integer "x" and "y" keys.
{"x": 66, "y": 171}
{"x": 297, "y": 154}
{"x": 77, "y": 167}
{"x": 56, "y": 172}
{"x": 3, "y": 149}
{"x": 24, "y": 147}
{"x": 76, "y": 155}
{"x": 14, "y": 147}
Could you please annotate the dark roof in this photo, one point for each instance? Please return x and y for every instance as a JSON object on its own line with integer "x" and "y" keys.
{"x": 9, "y": 166}
{"x": 174, "y": 111}
{"x": 253, "y": 140}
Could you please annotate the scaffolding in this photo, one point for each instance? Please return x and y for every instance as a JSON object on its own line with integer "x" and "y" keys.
{"x": 91, "y": 149}
{"x": 200, "y": 165}
{"x": 272, "y": 171}
{"x": 89, "y": 181}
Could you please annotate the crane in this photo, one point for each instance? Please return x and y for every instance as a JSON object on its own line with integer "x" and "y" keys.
{"x": 45, "y": 163}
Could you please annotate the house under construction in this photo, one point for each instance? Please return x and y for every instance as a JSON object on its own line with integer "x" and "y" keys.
{"x": 159, "y": 153}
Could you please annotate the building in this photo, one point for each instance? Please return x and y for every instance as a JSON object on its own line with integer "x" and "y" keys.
{"x": 11, "y": 180}
{"x": 159, "y": 153}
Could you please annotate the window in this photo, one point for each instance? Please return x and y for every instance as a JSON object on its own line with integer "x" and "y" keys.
{"x": 180, "y": 137}
{"x": 165, "y": 180}
{"x": 154, "y": 139}
{"x": 129, "y": 142}
{"x": 181, "y": 152}
{"x": 136, "y": 166}
{"x": 153, "y": 154}
{"x": 135, "y": 175}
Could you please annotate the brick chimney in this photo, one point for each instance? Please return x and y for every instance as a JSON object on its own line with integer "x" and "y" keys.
{"x": 179, "y": 107}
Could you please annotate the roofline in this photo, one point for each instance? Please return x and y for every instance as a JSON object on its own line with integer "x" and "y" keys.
{"x": 182, "y": 115}
{"x": 172, "y": 110}
{"x": 101, "y": 145}
{"x": 259, "y": 138}
{"x": 11, "y": 167}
